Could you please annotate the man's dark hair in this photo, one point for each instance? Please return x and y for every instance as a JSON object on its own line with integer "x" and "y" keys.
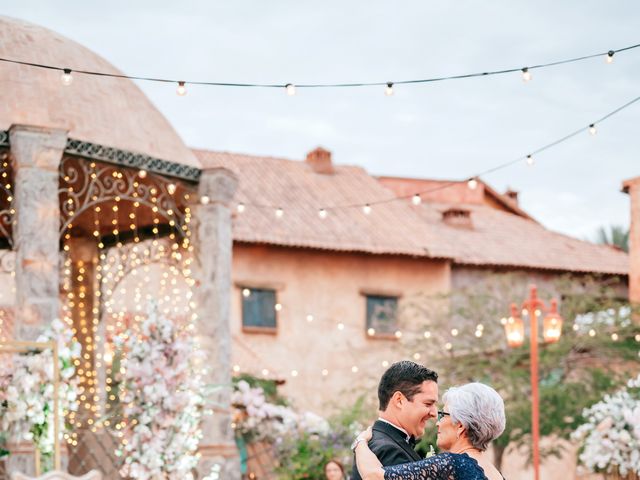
{"x": 405, "y": 377}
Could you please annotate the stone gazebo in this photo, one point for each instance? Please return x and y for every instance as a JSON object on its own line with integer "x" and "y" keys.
{"x": 102, "y": 207}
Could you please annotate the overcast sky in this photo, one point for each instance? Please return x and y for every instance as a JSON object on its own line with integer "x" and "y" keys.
{"x": 448, "y": 130}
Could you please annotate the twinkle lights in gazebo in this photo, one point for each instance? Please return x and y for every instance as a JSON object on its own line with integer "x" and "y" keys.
{"x": 126, "y": 242}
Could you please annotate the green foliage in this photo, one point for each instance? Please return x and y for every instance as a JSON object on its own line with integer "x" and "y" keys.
{"x": 574, "y": 373}
{"x": 616, "y": 235}
{"x": 3, "y": 441}
{"x": 305, "y": 455}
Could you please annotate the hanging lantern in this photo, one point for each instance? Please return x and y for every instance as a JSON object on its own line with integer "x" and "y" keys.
{"x": 514, "y": 328}
{"x": 552, "y": 325}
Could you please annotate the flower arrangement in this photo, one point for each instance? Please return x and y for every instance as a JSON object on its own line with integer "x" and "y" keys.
{"x": 302, "y": 441}
{"x": 611, "y": 436}
{"x": 258, "y": 419}
{"x": 163, "y": 401}
{"x": 26, "y": 390}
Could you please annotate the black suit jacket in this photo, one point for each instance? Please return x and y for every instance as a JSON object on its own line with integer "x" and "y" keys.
{"x": 390, "y": 446}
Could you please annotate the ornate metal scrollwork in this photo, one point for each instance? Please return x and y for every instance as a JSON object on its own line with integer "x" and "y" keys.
{"x": 86, "y": 184}
{"x": 6, "y": 195}
{"x": 134, "y": 160}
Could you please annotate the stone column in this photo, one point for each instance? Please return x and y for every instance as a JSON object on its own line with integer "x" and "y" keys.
{"x": 36, "y": 154}
{"x": 213, "y": 245}
{"x": 632, "y": 187}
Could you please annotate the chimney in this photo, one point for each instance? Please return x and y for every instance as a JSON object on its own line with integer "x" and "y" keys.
{"x": 512, "y": 195}
{"x": 457, "y": 217}
{"x": 632, "y": 187}
{"x": 320, "y": 161}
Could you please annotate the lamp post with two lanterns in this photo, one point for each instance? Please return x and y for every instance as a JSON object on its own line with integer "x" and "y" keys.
{"x": 533, "y": 307}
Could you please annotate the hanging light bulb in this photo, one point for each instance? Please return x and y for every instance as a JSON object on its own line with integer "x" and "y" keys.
{"x": 609, "y": 57}
{"x": 530, "y": 160}
{"x": 366, "y": 209}
{"x": 240, "y": 207}
{"x": 279, "y": 212}
{"x": 181, "y": 90}
{"x": 416, "y": 199}
{"x": 291, "y": 89}
{"x": 142, "y": 174}
{"x": 171, "y": 188}
{"x": 526, "y": 74}
{"x": 66, "y": 77}
{"x": 592, "y": 129}
{"x": 472, "y": 183}
{"x": 322, "y": 213}
{"x": 204, "y": 200}
{"x": 388, "y": 90}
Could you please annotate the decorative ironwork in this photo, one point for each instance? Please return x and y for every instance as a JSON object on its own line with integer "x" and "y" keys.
{"x": 85, "y": 185}
{"x": 7, "y": 210}
{"x": 129, "y": 159}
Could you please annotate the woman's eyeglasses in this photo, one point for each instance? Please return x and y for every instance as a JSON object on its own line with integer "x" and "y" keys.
{"x": 442, "y": 414}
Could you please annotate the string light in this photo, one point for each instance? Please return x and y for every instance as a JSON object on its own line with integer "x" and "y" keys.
{"x": 309, "y": 318}
{"x": 66, "y": 78}
{"x": 609, "y": 57}
{"x": 530, "y": 161}
{"x": 181, "y": 90}
{"x": 526, "y": 74}
{"x": 371, "y": 332}
{"x": 388, "y": 90}
{"x": 340, "y": 326}
{"x": 290, "y": 89}
{"x": 472, "y": 183}
{"x": 279, "y": 212}
{"x": 171, "y": 188}
{"x": 240, "y": 207}
{"x": 416, "y": 199}
{"x": 367, "y": 209}
{"x": 322, "y": 213}
{"x": 142, "y": 174}
{"x": 592, "y": 129}
{"x": 204, "y": 200}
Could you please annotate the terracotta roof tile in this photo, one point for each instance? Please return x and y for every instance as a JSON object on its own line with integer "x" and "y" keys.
{"x": 496, "y": 238}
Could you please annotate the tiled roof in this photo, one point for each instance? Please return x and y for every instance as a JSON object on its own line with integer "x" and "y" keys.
{"x": 391, "y": 228}
{"x": 499, "y": 238}
{"x": 495, "y": 237}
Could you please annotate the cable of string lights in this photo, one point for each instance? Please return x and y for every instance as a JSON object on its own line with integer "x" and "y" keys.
{"x": 472, "y": 181}
{"x": 290, "y": 88}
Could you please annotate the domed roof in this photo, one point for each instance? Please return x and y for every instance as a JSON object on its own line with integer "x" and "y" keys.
{"x": 108, "y": 111}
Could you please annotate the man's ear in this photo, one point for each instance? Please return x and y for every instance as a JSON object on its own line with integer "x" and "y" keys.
{"x": 397, "y": 398}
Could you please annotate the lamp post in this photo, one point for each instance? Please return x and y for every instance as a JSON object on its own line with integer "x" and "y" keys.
{"x": 552, "y": 329}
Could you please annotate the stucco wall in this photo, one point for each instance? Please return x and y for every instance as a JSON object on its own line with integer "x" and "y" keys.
{"x": 329, "y": 286}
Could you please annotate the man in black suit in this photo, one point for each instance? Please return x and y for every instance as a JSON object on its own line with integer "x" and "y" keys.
{"x": 408, "y": 396}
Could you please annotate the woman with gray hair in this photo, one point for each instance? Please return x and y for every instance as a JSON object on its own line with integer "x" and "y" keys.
{"x": 472, "y": 416}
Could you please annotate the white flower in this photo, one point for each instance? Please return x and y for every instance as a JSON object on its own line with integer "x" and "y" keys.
{"x": 611, "y": 435}
{"x": 164, "y": 404}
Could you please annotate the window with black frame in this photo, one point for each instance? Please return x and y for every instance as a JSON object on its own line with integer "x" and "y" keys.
{"x": 259, "y": 309}
{"x": 382, "y": 315}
